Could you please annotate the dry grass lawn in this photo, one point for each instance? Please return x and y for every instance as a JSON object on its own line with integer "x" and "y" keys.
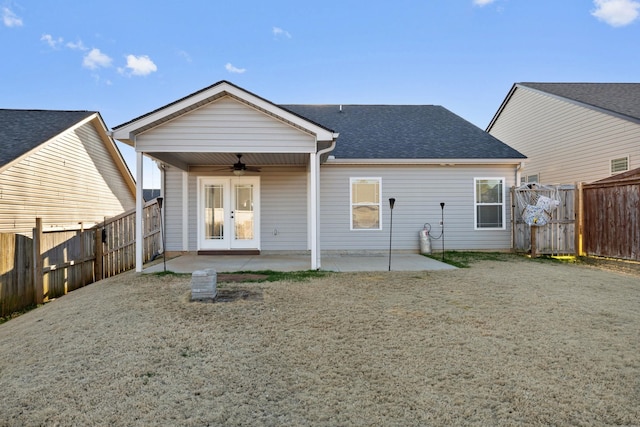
{"x": 500, "y": 343}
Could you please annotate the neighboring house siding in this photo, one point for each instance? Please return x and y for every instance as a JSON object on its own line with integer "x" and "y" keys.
{"x": 70, "y": 180}
{"x": 226, "y": 126}
{"x": 564, "y": 142}
{"x": 418, "y": 191}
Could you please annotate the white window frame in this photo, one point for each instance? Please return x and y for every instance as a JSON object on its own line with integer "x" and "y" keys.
{"x": 476, "y": 203}
{"x": 611, "y": 171}
{"x": 352, "y": 180}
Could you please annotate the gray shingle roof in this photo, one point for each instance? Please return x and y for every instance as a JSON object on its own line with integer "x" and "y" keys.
{"x": 23, "y": 130}
{"x": 404, "y": 132}
{"x": 619, "y": 98}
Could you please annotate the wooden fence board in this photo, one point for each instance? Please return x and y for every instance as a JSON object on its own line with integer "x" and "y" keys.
{"x": 16, "y": 273}
{"x": 558, "y": 236}
{"x": 57, "y": 262}
{"x": 612, "y": 218}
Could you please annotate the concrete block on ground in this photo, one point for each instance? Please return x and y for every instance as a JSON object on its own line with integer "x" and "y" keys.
{"x": 203, "y": 284}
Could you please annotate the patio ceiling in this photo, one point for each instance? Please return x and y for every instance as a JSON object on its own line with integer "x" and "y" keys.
{"x": 186, "y": 160}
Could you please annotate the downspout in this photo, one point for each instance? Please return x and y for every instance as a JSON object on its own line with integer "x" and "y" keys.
{"x": 316, "y": 263}
{"x": 513, "y": 206}
{"x": 139, "y": 209}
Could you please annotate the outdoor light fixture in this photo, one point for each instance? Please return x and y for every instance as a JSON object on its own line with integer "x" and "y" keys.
{"x": 392, "y": 202}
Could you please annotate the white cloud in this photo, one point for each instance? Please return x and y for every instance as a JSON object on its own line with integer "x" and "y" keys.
{"x": 279, "y": 32}
{"x": 95, "y": 59}
{"x": 53, "y": 43}
{"x": 482, "y": 2}
{"x": 616, "y": 13}
{"x": 230, "y": 68}
{"x": 76, "y": 46}
{"x": 140, "y": 65}
{"x": 10, "y": 19}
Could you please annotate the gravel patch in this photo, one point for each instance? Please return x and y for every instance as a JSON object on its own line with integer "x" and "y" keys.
{"x": 517, "y": 343}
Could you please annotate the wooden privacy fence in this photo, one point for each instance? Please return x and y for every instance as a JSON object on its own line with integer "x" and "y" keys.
{"x": 16, "y": 272}
{"x": 53, "y": 263}
{"x": 560, "y": 234}
{"x": 612, "y": 217}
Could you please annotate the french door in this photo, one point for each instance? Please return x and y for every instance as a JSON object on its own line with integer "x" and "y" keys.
{"x": 228, "y": 213}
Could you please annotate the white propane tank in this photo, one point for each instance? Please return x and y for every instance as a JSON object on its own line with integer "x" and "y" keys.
{"x": 425, "y": 241}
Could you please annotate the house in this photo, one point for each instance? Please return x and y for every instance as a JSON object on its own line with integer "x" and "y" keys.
{"x": 150, "y": 193}
{"x": 245, "y": 175}
{"x": 61, "y": 166}
{"x": 571, "y": 132}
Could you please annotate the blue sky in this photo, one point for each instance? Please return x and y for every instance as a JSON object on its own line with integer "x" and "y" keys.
{"x": 126, "y": 58}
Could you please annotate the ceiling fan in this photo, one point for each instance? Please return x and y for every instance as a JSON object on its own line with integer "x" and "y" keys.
{"x": 239, "y": 168}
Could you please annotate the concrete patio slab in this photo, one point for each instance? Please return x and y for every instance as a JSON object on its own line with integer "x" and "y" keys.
{"x": 343, "y": 263}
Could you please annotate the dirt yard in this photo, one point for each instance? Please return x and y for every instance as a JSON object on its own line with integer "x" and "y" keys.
{"x": 517, "y": 343}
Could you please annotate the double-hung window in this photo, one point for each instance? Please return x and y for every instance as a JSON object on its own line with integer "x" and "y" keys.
{"x": 489, "y": 203}
{"x": 365, "y": 204}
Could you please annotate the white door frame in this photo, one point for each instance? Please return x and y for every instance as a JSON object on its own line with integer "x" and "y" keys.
{"x": 229, "y": 242}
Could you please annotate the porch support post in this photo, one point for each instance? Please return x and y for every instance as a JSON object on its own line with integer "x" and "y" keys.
{"x": 313, "y": 194}
{"x": 139, "y": 211}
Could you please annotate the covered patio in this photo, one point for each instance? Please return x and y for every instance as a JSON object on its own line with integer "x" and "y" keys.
{"x": 238, "y": 173}
{"x": 339, "y": 263}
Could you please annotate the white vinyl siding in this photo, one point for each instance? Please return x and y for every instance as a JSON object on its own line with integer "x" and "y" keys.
{"x": 418, "y": 191}
{"x": 70, "y": 180}
{"x": 173, "y": 210}
{"x": 226, "y": 125}
{"x": 283, "y": 209}
{"x": 284, "y": 216}
{"x": 489, "y": 203}
{"x": 565, "y": 142}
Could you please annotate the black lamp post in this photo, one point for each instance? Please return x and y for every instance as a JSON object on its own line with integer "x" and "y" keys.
{"x": 392, "y": 202}
{"x": 442, "y": 223}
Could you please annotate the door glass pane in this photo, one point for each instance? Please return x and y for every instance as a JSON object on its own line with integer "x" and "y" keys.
{"x": 213, "y": 211}
{"x": 243, "y": 216}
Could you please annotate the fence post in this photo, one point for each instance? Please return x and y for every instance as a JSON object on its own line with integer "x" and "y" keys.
{"x": 579, "y": 218}
{"x": 97, "y": 266}
{"x": 533, "y": 232}
{"x": 38, "y": 279}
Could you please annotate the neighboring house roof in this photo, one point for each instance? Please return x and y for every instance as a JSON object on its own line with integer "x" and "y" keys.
{"x": 23, "y": 130}
{"x": 619, "y": 99}
{"x": 404, "y": 132}
{"x": 149, "y": 194}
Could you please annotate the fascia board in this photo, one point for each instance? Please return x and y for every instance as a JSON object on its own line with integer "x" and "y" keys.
{"x": 438, "y": 162}
{"x": 115, "y": 153}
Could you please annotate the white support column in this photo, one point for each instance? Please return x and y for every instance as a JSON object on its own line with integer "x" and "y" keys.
{"x": 139, "y": 211}
{"x": 185, "y": 211}
{"x": 313, "y": 206}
